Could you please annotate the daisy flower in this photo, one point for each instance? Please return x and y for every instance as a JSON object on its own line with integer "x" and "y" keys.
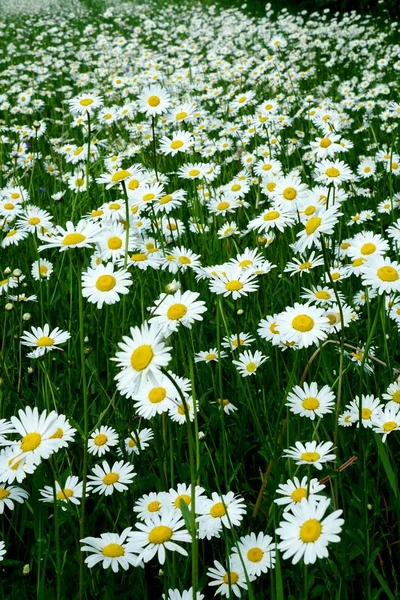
{"x": 174, "y": 309}
{"x": 44, "y": 340}
{"x": 320, "y": 295}
{"x": 154, "y": 397}
{"x": 302, "y": 324}
{"x": 273, "y": 217}
{"x": 310, "y": 402}
{"x": 304, "y": 265}
{"x": 226, "y": 405}
{"x": 2, "y": 550}
{"x": 112, "y": 549}
{"x": 332, "y": 171}
{"x": 112, "y": 246}
{"x": 37, "y": 433}
{"x": 106, "y": 479}
{"x": 392, "y": 394}
{"x": 217, "y": 511}
{"x": 183, "y": 493}
{"x": 257, "y": 552}
{"x": 370, "y": 407}
{"x": 185, "y": 595}
{"x": 305, "y": 533}
{"x": 311, "y": 453}
{"x": 294, "y": 491}
{"x": 248, "y": 362}
{"x": 41, "y": 269}
{"x": 13, "y": 237}
{"x": 141, "y": 356}
{"x": 346, "y": 419}
{"x": 324, "y": 223}
{"x": 159, "y": 534}
{"x": 181, "y": 141}
{"x": 15, "y": 465}
{"x": 71, "y": 492}
{"x": 153, "y": 100}
{"x": 234, "y": 282}
{"x": 237, "y": 340}
{"x": 103, "y": 285}
{"x": 382, "y": 274}
{"x": 177, "y": 412}
{"x": 150, "y": 505}
{"x": 138, "y": 441}
{"x": 209, "y": 355}
{"x": 102, "y": 440}
{"x": 11, "y": 494}
{"x": 386, "y": 421}
{"x": 82, "y": 235}
{"x": 85, "y": 104}
{"x": 233, "y": 578}
{"x": 367, "y": 244}
{"x": 357, "y": 357}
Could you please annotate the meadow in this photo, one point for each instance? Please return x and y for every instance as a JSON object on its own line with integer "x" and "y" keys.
{"x": 199, "y": 282}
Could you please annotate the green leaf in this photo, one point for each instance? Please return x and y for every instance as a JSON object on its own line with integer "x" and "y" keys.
{"x": 386, "y": 465}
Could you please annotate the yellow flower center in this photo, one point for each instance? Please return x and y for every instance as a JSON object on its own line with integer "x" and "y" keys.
{"x": 160, "y": 534}
{"x": 303, "y": 323}
{"x": 289, "y": 193}
{"x": 44, "y": 341}
{"x": 4, "y": 493}
{"x": 251, "y": 367}
{"x": 114, "y": 206}
{"x": 312, "y": 224}
{"x": 310, "y": 456}
{"x": 223, "y": 205}
{"x": 166, "y": 199}
{"x": 322, "y": 295}
{"x": 110, "y": 478}
{"x": 310, "y": 403}
{"x": 181, "y": 115}
{"x": 11, "y": 233}
{"x": 176, "y": 144}
{"x": 389, "y": 426}
{"x": 387, "y": 274}
{"x": 8, "y": 206}
{"x": 86, "y": 101}
{"x": 119, "y": 176}
{"x": 140, "y": 257}
{"x": 114, "y": 243}
{"x": 255, "y": 555}
{"x": 105, "y": 283}
{"x": 236, "y": 187}
{"x": 64, "y": 494}
{"x": 57, "y": 435}
{"x": 100, "y": 439}
{"x": 332, "y": 172}
{"x": 325, "y": 143}
{"x": 71, "y": 239}
{"x": 396, "y": 396}
{"x": 231, "y": 577}
{"x": 184, "y": 498}
{"x": 148, "y": 197}
{"x": 367, "y": 169}
{"x": 309, "y": 210}
{"x": 298, "y": 494}
{"x": 79, "y": 182}
{"x": 15, "y": 195}
{"x": 368, "y": 248}
{"x": 157, "y": 395}
{"x": 30, "y": 442}
{"x": 305, "y": 265}
{"x": 194, "y": 172}
{"x": 234, "y": 285}
{"x": 218, "y": 510}
{"x": 366, "y": 413}
{"x": 310, "y": 531}
{"x": 154, "y": 101}
{"x": 271, "y": 215}
{"x": 335, "y": 276}
{"x": 358, "y": 262}
{"x": 176, "y": 312}
{"x": 271, "y": 186}
{"x": 142, "y": 357}
{"x": 210, "y": 356}
{"x": 96, "y": 213}
{"x": 113, "y": 550}
{"x": 154, "y": 506}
